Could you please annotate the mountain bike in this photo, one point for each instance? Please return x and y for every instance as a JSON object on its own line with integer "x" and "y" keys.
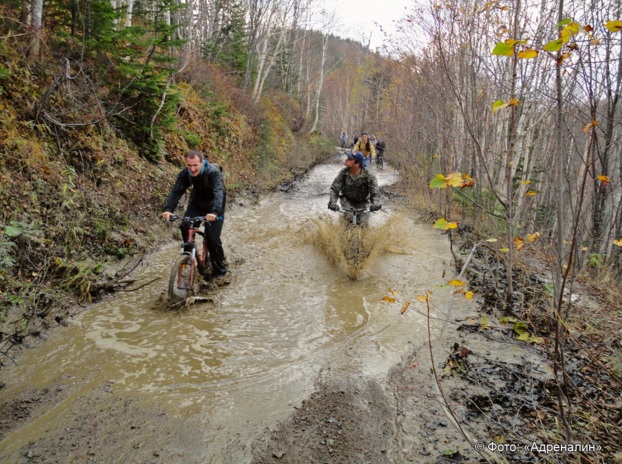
{"x": 380, "y": 161}
{"x": 353, "y": 245}
{"x": 191, "y": 259}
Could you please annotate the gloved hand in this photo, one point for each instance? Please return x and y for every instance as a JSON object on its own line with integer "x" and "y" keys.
{"x": 333, "y": 206}
{"x": 373, "y": 208}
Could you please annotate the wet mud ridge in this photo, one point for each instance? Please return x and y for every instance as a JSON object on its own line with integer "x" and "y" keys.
{"x": 347, "y": 421}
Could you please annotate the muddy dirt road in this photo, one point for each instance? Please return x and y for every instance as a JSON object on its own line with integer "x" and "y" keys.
{"x": 293, "y": 361}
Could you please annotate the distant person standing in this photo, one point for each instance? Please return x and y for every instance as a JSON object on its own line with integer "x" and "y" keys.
{"x": 343, "y": 139}
{"x": 365, "y": 146}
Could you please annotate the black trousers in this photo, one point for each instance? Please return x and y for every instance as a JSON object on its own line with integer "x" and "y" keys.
{"x": 212, "y": 237}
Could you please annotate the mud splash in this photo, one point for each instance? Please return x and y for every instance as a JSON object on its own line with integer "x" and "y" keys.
{"x": 354, "y": 249}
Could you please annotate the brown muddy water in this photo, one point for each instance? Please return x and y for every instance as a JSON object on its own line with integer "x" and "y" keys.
{"x": 238, "y": 364}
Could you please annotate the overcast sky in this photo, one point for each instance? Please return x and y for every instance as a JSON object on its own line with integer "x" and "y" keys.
{"x": 357, "y": 16}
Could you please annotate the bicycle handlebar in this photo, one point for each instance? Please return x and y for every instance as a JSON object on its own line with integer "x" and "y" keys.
{"x": 173, "y": 218}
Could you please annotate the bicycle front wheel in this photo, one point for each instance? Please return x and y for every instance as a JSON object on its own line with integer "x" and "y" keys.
{"x": 180, "y": 281}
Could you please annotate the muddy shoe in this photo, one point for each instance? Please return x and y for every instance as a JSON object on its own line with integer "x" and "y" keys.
{"x": 221, "y": 280}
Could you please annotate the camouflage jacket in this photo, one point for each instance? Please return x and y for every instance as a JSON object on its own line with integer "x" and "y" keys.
{"x": 357, "y": 190}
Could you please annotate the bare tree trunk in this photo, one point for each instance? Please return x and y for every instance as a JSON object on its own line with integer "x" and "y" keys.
{"x": 37, "y": 26}
{"x": 259, "y": 83}
{"x": 320, "y": 84}
{"x": 128, "y": 13}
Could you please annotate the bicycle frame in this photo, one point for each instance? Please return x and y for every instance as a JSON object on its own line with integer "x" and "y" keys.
{"x": 380, "y": 160}
{"x": 355, "y": 213}
{"x": 189, "y": 248}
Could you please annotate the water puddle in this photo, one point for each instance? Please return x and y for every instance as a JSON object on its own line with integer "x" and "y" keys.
{"x": 294, "y": 307}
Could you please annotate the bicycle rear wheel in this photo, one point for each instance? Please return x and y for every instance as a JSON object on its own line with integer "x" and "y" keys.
{"x": 179, "y": 284}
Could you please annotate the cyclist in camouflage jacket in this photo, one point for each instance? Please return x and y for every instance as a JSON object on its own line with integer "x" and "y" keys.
{"x": 356, "y": 187}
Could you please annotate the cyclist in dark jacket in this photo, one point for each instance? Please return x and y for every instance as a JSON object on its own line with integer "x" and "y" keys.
{"x": 207, "y": 199}
{"x": 355, "y": 187}
{"x": 380, "y": 146}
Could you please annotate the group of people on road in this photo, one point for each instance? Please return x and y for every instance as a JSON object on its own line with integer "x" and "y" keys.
{"x": 368, "y": 144}
{"x": 355, "y": 187}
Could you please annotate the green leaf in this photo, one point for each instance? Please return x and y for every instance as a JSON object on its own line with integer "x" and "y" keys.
{"x": 503, "y": 49}
{"x": 441, "y": 224}
{"x": 13, "y": 231}
{"x": 499, "y": 105}
{"x": 554, "y": 46}
{"x": 439, "y": 181}
{"x": 563, "y": 22}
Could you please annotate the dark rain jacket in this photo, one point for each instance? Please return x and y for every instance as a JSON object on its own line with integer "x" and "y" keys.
{"x": 208, "y": 193}
{"x": 357, "y": 190}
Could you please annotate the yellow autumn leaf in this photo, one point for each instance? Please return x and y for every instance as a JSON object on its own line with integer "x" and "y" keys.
{"x": 595, "y": 42}
{"x": 587, "y": 127}
{"x": 422, "y": 298}
{"x": 618, "y": 242}
{"x": 614, "y": 26}
{"x": 388, "y": 299}
{"x": 524, "y": 336}
{"x": 518, "y": 243}
{"x": 469, "y": 295}
{"x": 456, "y": 283}
{"x": 533, "y": 237}
{"x": 586, "y": 248}
{"x": 504, "y": 250}
{"x": 525, "y": 182}
{"x": 491, "y": 240}
{"x": 528, "y": 54}
{"x": 391, "y": 291}
{"x": 484, "y": 322}
{"x": 514, "y": 102}
{"x": 443, "y": 224}
{"x": 603, "y": 178}
{"x": 404, "y": 307}
{"x": 531, "y": 193}
{"x": 454, "y": 179}
{"x": 512, "y": 42}
{"x": 569, "y": 31}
